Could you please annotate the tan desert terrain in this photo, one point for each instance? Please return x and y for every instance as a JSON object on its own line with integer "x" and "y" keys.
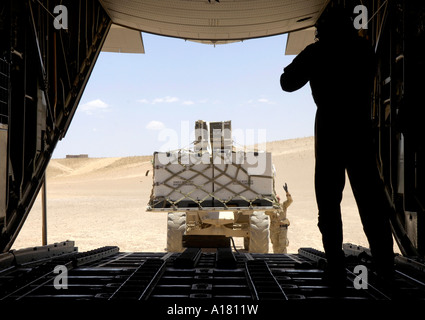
{"x": 102, "y": 201}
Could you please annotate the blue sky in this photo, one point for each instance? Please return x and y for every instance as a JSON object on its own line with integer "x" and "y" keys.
{"x": 135, "y": 104}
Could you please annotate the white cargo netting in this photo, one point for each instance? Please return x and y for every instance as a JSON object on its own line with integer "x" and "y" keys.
{"x": 229, "y": 180}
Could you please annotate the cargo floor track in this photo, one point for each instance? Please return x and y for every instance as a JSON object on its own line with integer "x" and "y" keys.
{"x": 196, "y": 276}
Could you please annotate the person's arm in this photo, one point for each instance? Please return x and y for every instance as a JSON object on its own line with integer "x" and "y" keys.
{"x": 298, "y": 73}
{"x": 288, "y": 201}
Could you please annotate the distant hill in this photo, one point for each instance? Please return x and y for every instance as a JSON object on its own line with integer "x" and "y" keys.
{"x": 73, "y": 167}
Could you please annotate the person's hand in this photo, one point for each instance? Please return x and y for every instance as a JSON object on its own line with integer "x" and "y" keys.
{"x": 285, "y": 187}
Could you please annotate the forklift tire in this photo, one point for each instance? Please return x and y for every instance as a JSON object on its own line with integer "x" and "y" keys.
{"x": 259, "y": 232}
{"x": 176, "y": 227}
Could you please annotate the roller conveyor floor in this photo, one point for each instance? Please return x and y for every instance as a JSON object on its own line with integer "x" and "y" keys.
{"x": 220, "y": 278}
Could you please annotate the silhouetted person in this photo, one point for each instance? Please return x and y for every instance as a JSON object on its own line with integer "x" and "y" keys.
{"x": 341, "y": 67}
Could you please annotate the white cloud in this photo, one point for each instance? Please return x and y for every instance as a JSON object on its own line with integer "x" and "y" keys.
{"x": 155, "y": 125}
{"x": 169, "y": 99}
{"x": 165, "y": 100}
{"x": 93, "y": 106}
{"x": 260, "y": 100}
{"x": 264, "y": 100}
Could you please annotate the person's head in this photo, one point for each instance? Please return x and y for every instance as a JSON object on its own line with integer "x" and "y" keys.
{"x": 335, "y": 23}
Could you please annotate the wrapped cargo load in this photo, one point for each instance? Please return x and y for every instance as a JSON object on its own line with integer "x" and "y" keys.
{"x": 221, "y": 179}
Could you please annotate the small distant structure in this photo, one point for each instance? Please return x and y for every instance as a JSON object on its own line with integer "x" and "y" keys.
{"x": 73, "y": 156}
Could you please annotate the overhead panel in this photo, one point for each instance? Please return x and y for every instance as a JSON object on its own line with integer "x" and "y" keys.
{"x": 124, "y": 40}
{"x": 224, "y": 21}
{"x": 298, "y": 40}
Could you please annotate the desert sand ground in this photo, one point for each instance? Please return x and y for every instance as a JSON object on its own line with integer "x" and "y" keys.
{"x": 102, "y": 201}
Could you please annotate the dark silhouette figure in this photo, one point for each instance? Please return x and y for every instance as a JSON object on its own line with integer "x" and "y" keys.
{"x": 341, "y": 67}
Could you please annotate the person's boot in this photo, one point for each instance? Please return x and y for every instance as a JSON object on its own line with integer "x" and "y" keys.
{"x": 335, "y": 275}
